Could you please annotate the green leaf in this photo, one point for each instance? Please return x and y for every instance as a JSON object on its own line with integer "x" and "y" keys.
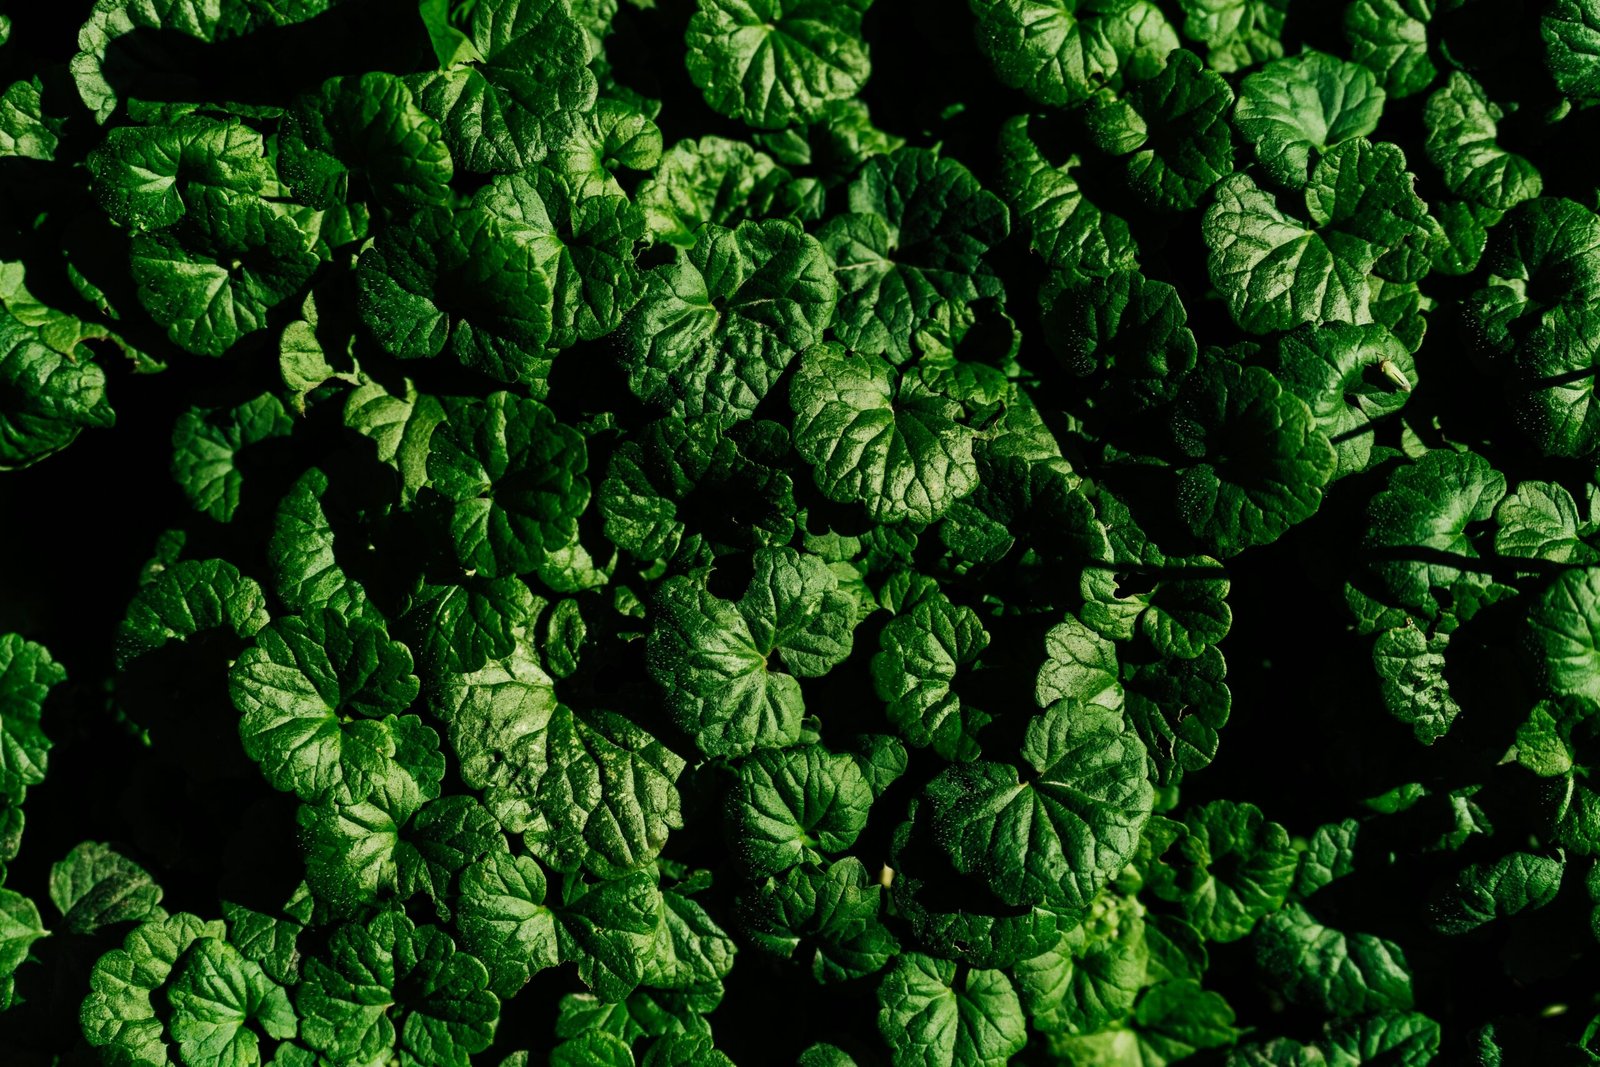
{"x": 776, "y": 63}
{"x": 1341, "y": 974}
{"x": 1280, "y": 1052}
{"x": 26, "y": 132}
{"x": 617, "y": 135}
{"x": 1305, "y": 104}
{"x": 1093, "y": 975}
{"x": 1183, "y": 146}
{"x": 501, "y": 105}
{"x": 187, "y": 599}
{"x": 392, "y": 985}
{"x": 400, "y": 426}
{"x": 1352, "y": 378}
{"x": 315, "y": 692}
{"x": 513, "y": 479}
{"x": 1571, "y": 32}
{"x": 1079, "y": 665}
{"x": 1176, "y": 707}
{"x": 1483, "y": 892}
{"x": 120, "y": 39}
{"x": 692, "y": 953}
{"x": 1462, "y": 132}
{"x": 150, "y": 177}
{"x": 46, "y": 397}
{"x": 895, "y": 442}
{"x": 931, "y": 1016}
{"x": 711, "y": 180}
{"x": 1361, "y": 190}
{"x": 1406, "y": 1039}
{"x": 269, "y": 939}
{"x": 716, "y": 660}
{"x": 717, "y": 327}
{"x": 1540, "y": 521}
{"x": 609, "y": 931}
{"x": 1239, "y": 33}
{"x": 677, "y": 488}
{"x": 1260, "y": 462}
{"x": 923, "y": 651}
{"x": 594, "y": 1049}
{"x": 585, "y": 242}
{"x": 1464, "y": 236}
{"x": 364, "y": 137}
{"x": 1060, "y": 51}
{"x": 464, "y": 283}
{"x": 1071, "y": 232}
{"x": 27, "y": 674}
{"x": 394, "y": 843}
{"x": 460, "y": 627}
{"x": 505, "y": 921}
{"x": 1124, "y": 337}
{"x": 794, "y": 806}
{"x": 20, "y": 927}
{"x": 1562, "y": 628}
{"x": 607, "y": 796}
{"x": 1275, "y": 271}
{"x": 305, "y": 568}
{"x": 1059, "y": 837}
{"x": 1390, "y": 38}
{"x": 1539, "y": 307}
{"x": 206, "y": 444}
{"x": 910, "y": 247}
{"x": 835, "y": 909}
{"x": 1433, "y": 505}
{"x": 1232, "y": 867}
{"x": 1411, "y": 676}
{"x": 499, "y": 720}
{"x": 95, "y": 887}
{"x": 119, "y": 1012}
{"x": 1178, "y": 1019}
{"x": 1541, "y": 745}
{"x": 212, "y": 279}
{"x": 219, "y": 1000}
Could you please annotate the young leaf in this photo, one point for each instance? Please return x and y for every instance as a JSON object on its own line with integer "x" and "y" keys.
{"x": 776, "y": 63}
{"x": 392, "y": 985}
{"x": 1305, "y": 104}
{"x": 890, "y": 441}
{"x": 910, "y": 246}
{"x": 1341, "y": 974}
{"x": 95, "y": 887}
{"x": 513, "y": 479}
{"x": 923, "y": 650}
{"x": 1071, "y": 232}
{"x": 361, "y": 137}
{"x": 1261, "y": 462}
{"x": 315, "y": 692}
{"x": 523, "y": 64}
{"x": 27, "y": 674}
{"x": 219, "y": 999}
{"x": 715, "y": 658}
{"x": 717, "y": 327}
{"x": 205, "y": 445}
{"x": 119, "y": 1011}
{"x": 794, "y": 805}
{"x": 1059, "y": 837}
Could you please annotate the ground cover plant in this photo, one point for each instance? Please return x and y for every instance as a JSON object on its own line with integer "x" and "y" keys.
{"x": 799, "y": 531}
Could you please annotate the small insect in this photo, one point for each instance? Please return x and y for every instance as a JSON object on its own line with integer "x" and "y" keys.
{"x": 1394, "y": 374}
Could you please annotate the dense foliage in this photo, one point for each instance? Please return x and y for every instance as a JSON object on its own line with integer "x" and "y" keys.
{"x": 703, "y": 531}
